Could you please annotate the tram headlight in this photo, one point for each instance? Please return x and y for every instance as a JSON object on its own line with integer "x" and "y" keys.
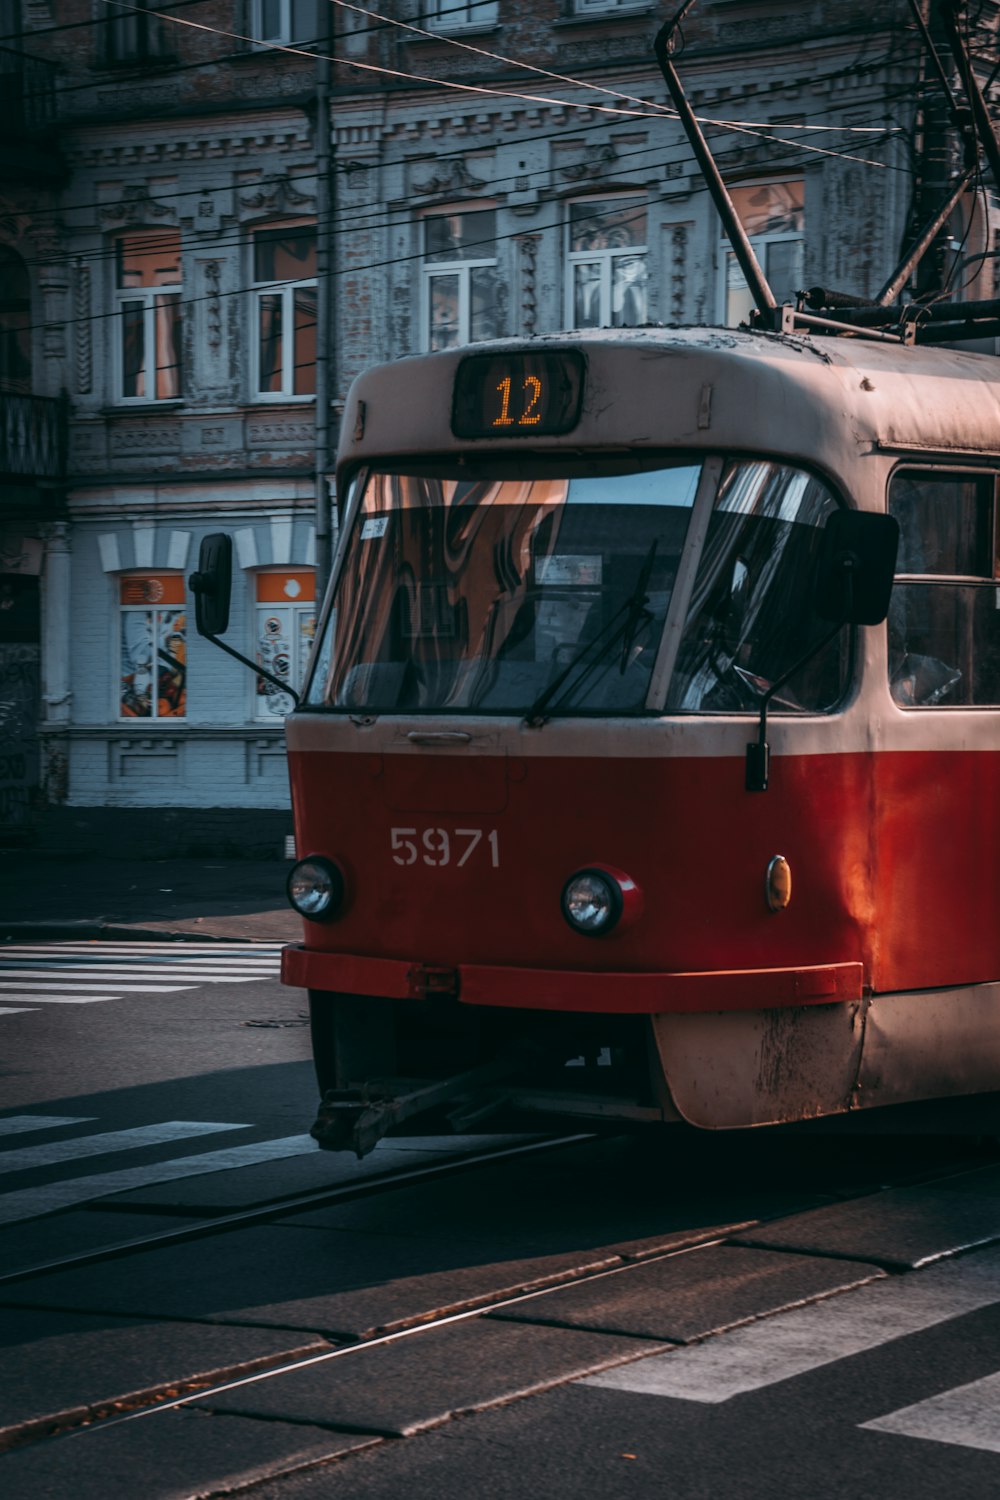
{"x": 316, "y": 888}
{"x": 592, "y": 902}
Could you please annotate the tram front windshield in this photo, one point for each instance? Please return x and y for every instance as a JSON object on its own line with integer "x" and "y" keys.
{"x": 549, "y": 594}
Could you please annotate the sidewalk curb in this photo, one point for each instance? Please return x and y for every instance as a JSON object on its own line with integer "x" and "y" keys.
{"x": 94, "y": 929}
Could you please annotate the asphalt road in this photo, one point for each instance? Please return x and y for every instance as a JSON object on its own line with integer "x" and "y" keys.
{"x": 798, "y": 1314}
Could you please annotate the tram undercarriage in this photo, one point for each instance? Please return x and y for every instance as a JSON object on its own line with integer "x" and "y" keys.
{"x": 381, "y": 1063}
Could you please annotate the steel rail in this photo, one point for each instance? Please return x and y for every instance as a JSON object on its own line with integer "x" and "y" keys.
{"x": 317, "y": 1198}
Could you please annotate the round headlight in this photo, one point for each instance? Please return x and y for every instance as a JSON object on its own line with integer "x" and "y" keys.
{"x": 592, "y": 902}
{"x": 316, "y": 888}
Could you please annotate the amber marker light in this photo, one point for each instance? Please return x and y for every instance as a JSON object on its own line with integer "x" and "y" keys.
{"x": 778, "y": 886}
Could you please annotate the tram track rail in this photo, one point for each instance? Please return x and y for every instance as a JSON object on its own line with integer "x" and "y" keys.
{"x": 247, "y": 1218}
{"x": 198, "y": 1391}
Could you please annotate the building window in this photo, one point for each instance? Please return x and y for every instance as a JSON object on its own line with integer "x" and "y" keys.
{"x": 605, "y": 7}
{"x": 153, "y": 647}
{"x": 459, "y": 278}
{"x": 773, "y": 215}
{"x": 944, "y": 624}
{"x": 285, "y": 626}
{"x": 148, "y": 281}
{"x": 453, "y": 15}
{"x": 135, "y": 35}
{"x": 284, "y": 270}
{"x": 284, "y": 21}
{"x": 606, "y": 280}
{"x": 15, "y": 324}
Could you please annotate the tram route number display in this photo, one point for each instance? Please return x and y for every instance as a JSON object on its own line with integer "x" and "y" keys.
{"x": 518, "y": 395}
{"x": 438, "y": 846}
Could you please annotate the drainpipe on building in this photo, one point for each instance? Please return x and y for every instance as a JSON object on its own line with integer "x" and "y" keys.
{"x": 56, "y": 678}
{"x": 325, "y": 369}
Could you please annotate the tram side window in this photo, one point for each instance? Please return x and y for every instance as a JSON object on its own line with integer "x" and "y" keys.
{"x": 751, "y": 615}
{"x": 944, "y": 617}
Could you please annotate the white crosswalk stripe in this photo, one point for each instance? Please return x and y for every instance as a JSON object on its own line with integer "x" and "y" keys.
{"x": 32, "y": 1203}
{"x": 802, "y": 1339}
{"x": 90, "y": 973}
{"x": 967, "y": 1416}
{"x": 48, "y": 1153}
{"x": 25, "y": 1124}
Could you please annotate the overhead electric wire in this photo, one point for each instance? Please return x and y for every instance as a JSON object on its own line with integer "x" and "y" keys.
{"x": 378, "y": 218}
{"x": 338, "y": 273}
{"x": 561, "y": 133}
{"x": 515, "y": 62}
{"x": 658, "y": 112}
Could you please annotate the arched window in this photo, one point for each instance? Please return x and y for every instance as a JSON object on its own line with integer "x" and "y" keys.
{"x": 15, "y": 323}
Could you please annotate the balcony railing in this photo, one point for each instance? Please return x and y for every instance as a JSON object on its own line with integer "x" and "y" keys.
{"x": 27, "y": 91}
{"x": 32, "y": 437}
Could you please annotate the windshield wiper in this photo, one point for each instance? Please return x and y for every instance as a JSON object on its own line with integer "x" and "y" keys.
{"x": 635, "y": 613}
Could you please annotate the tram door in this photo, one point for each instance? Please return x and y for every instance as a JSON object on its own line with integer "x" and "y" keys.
{"x": 938, "y": 791}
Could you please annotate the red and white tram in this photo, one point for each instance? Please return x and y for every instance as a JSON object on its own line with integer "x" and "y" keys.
{"x": 603, "y": 811}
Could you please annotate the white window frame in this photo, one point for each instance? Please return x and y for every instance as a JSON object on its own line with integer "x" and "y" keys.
{"x": 432, "y": 269}
{"x": 286, "y": 33}
{"x": 136, "y": 36}
{"x": 759, "y": 242}
{"x": 605, "y": 258}
{"x": 156, "y": 609}
{"x": 300, "y": 653}
{"x": 607, "y": 7}
{"x": 147, "y": 295}
{"x": 286, "y": 290}
{"x": 459, "y": 15}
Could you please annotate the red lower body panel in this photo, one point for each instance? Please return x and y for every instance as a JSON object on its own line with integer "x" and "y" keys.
{"x": 572, "y": 990}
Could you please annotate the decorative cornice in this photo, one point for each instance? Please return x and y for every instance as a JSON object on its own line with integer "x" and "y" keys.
{"x": 451, "y": 177}
{"x": 279, "y": 197}
{"x": 136, "y": 206}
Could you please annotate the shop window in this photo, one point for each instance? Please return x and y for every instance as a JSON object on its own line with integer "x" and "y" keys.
{"x": 15, "y": 324}
{"x": 152, "y": 682}
{"x": 944, "y": 616}
{"x": 282, "y": 21}
{"x": 284, "y": 305}
{"x": 606, "y": 280}
{"x": 148, "y": 296}
{"x": 773, "y": 215}
{"x": 285, "y": 625}
{"x": 453, "y": 15}
{"x": 459, "y": 278}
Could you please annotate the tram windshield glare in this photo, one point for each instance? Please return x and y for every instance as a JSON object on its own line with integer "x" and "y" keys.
{"x": 496, "y": 596}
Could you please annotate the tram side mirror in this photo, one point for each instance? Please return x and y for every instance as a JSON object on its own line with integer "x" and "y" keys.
{"x": 212, "y": 584}
{"x": 856, "y": 566}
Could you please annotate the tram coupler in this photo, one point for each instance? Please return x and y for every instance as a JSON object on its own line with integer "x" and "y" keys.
{"x": 356, "y": 1119}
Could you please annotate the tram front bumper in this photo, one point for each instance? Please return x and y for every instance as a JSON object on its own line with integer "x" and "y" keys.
{"x": 572, "y": 989}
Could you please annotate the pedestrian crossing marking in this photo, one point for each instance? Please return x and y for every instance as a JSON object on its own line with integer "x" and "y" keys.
{"x": 41, "y": 999}
{"x": 48, "y": 1153}
{"x": 24, "y": 1124}
{"x": 34, "y": 975}
{"x": 802, "y": 1339}
{"x": 33, "y": 1203}
{"x": 967, "y": 1416}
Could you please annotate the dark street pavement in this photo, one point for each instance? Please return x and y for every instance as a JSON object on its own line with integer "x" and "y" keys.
{"x": 47, "y": 896}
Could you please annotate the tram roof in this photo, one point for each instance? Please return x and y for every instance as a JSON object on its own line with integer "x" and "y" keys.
{"x": 822, "y": 398}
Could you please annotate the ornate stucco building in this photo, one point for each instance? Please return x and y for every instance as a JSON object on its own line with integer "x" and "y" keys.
{"x": 179, "y": 186}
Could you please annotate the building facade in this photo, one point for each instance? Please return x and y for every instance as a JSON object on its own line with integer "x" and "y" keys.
{"x": 223, "y": 225}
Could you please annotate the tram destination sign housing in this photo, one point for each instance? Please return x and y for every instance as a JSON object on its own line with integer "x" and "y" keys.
{"x": 522, "y": 394}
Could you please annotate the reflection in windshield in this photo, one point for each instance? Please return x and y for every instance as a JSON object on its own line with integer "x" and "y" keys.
{"x": 751, "y": 615}
{"x": 478, "y": 595}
